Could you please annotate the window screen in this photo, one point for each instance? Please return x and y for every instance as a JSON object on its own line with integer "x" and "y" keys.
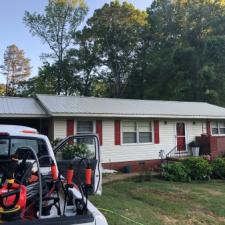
{"x": 137, "y": 132}
{"x": 85, "y": 127}
{"x": 129, "y": 132}
{"x": 145, "y": 132}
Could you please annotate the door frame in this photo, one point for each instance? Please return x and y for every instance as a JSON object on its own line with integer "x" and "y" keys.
{"x": 186, "y": 136}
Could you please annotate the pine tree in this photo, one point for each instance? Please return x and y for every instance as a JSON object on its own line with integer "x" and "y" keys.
{"x": 16, "y": 68}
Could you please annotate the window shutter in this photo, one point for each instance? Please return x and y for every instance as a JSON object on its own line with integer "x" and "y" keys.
{"x": 156, "y": 131}
{"x": 117, "y": 132}
{"x": 208, "y": 127}
{"x": 99, "y": 130}
{"x": 70, "y": 128}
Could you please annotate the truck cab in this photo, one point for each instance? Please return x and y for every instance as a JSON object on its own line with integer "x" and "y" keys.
{"x": 46, "y": 185}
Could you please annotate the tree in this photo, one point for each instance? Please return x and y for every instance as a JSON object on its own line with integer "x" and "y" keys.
{"x": 115, "y": 32}
{"x": 177, "y": 58}
{"x": 2, "y": 89}
{"x": 57, "y": 28}
{"x": 16, "y": 68}
{"x": 85, "y": 63}
{"x": 46, "y": 81}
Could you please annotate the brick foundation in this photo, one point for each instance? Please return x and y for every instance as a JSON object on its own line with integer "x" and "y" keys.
{"x": 136, "y": 166}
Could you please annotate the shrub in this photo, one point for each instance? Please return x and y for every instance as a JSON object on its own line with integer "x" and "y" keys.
{"x": 218, "y": 167}
{"x": 76, "y": 150}
{"x": 55, "y": 141}
{"x": 175, "y": 172}
{"x": 198, "y": 168}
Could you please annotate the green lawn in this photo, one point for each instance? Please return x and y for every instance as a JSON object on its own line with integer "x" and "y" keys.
{"x": 162, "y": 202}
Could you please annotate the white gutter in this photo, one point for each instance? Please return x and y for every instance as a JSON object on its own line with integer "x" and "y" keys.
{"x": 26, "y": 116}
{"x": 103, "y": 115}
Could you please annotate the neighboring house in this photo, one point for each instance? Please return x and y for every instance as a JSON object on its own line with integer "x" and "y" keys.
{"x": 130, "y": 131}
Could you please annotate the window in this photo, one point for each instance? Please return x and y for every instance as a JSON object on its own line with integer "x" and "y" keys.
{"x": 129, "y": 132}
{"x": 137, "y": 132}
{"x": 4, "y": 146}
{"x": 85, "y": 127}
{"x": 145, "y": 132}
{"x": 222, "y": 128}
{"x": 10, "y": 145}
{"x": 218, "y": 128}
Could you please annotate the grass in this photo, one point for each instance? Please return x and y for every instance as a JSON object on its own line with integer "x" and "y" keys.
{"x": 160, "y": 202}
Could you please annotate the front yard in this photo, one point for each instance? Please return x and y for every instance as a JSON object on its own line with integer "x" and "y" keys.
{"x": 159, "y": 202}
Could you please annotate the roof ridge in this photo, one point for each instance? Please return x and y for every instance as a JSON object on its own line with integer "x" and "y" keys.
{"x": 119, "y": 99}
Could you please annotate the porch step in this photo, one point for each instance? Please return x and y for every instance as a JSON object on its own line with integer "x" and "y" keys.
{"x": 177, "y": 159}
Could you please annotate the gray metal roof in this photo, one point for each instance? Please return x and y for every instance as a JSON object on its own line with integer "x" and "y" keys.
{"x": 20, "y": 107}
{"x": 108, "y": 107}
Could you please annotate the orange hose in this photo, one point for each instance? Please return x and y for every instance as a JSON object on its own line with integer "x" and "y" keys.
{"x": 88, "y": 175}
{"x": 69, "y": 175}
{"x": 54, "y": 171}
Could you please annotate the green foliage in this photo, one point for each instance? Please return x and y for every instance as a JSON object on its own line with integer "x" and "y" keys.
{"x": 57, "y": 28}
{"x": 175, "y": 172}
{"x": 16, "y": 69}
{"x": 115, "y": 31}
{"x": 46, "y": 81}
{"x": 55, "y": 142}
{"x": 76, "y": 150}
{"x": 198, "y": 168}
{"x": 2, "y": 89}
{"x": 218, "y": 168}
{"x": 203, "y": 202}
{"x": 174, "y": 46}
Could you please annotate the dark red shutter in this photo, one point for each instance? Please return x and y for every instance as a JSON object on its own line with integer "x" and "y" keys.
{"x": 156, "y": 132}
{"x": 208, "y": 127}
{"x": 117, "y": 132}
{"x": 99, "y": 130}
{"x": 70, "y": 127}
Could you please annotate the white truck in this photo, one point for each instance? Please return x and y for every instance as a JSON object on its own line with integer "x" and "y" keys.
{"x": 42, "y": 185}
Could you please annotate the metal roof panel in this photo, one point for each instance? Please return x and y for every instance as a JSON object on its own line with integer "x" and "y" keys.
{"x": 74, "y": 105}
{"x": 19, "y": 107}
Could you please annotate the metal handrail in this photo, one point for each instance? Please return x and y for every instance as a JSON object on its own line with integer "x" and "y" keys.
{"x": 171, "y": 152}
{"x": 175, "y": 152}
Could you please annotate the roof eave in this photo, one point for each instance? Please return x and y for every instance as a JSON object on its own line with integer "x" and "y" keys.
{"x": 103, "y": 115}
{"x": 23, "y": 116}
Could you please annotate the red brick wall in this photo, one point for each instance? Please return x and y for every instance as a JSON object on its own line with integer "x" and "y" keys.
{"x": 217, "y": 145}
{"x": 135, "y": 165}
{"x": 213, "y": 145}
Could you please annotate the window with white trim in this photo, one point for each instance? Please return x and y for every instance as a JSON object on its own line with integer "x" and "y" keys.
{"x": 85, "y": 127}
{"x": 218, "y": 128}
{"x": 136, "y": 132}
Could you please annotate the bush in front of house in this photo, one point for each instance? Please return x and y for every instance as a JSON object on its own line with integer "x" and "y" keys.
{"x": 198, "y": 168}
{"x": 55, "y": 142}
{"x": 218, "y": 168}
{"x": 175, "y": 172}
{"x": 81, "y": 150}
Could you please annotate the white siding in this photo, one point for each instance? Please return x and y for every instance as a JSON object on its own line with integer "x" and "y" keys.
{"x": 135, "y": 152}
{"x": 194, "y": 130}
{"x": 59, "y": 128}
{"x": 125, "y": 152}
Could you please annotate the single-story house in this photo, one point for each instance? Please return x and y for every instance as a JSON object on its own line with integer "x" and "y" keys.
{"x": 130, "y": 131}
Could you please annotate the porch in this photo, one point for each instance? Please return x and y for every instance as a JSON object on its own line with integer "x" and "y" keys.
{"x": 209, "y": 145}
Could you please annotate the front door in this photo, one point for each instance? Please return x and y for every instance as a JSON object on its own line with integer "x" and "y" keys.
{"x": 180, "y": 136}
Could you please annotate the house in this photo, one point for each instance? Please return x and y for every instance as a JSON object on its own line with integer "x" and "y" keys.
{"x": 130, "y": 131}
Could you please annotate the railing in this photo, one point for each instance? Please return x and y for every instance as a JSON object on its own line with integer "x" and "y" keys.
{"x": 176, "y": 153}
{"x": 172, "y": 153}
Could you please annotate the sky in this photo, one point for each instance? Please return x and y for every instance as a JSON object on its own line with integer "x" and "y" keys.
{"x": 14, "y": 31}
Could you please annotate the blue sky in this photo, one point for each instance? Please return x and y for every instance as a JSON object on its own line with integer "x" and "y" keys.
{"x": 13, "y": 31}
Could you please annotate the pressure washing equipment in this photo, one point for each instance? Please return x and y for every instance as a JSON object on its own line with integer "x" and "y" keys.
{"x": 13, "y": 194}
{"x": 29, "y": 192}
